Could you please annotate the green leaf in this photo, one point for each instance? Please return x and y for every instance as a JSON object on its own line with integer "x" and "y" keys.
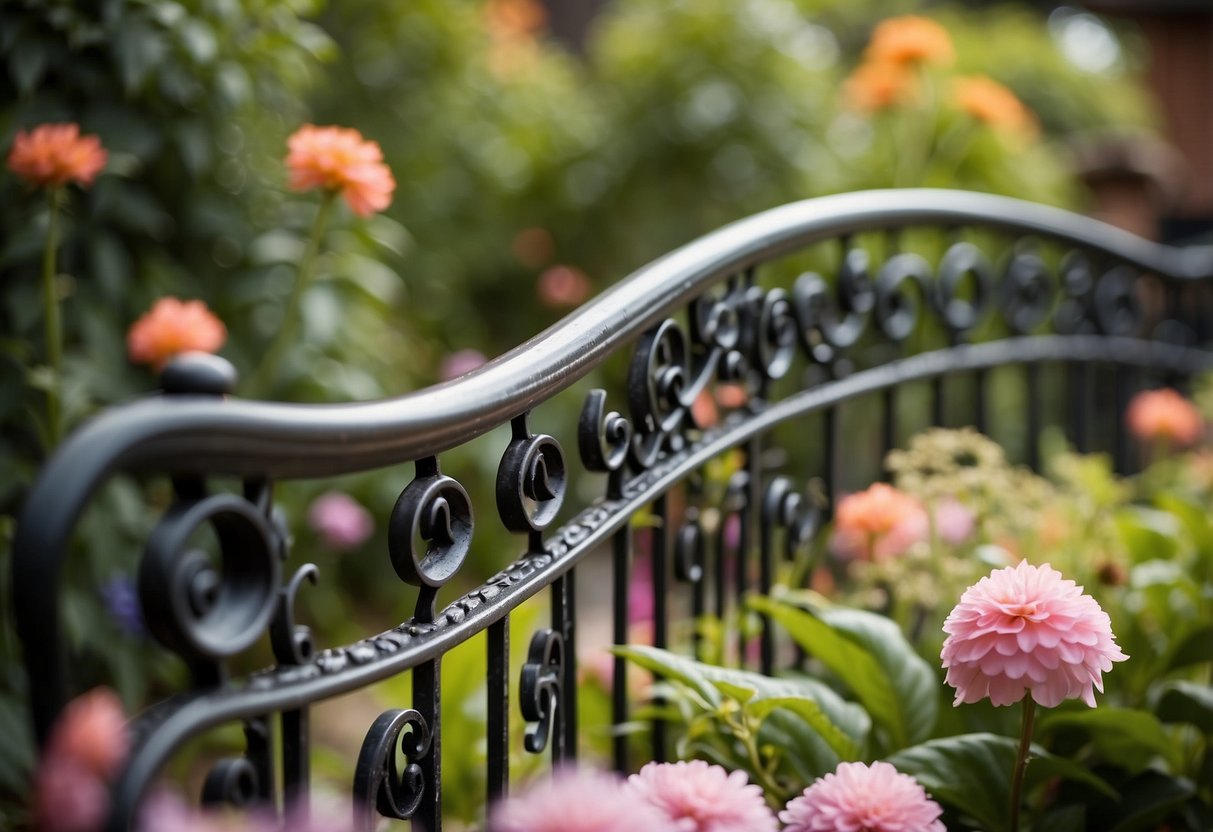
{"x": 1127, "y": 737}
{"x": 812, "y": 714}
{"x": 1187, "y": 702}
{"x": 672, "y": 666}
{"x": 1194, "y": 648}
{"x": 872, "y": 658}
{"x": 137, "y": 48}
{"x": 1146, "y": 801}
{"x": 1148, "y": 534}
{"x": 27, "y": 63}
{"x": 972, "y": 774}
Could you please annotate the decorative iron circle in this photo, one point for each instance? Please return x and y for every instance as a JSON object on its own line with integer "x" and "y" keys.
{"x": 531, "y": 482}
{"x": 539, "y": 687}
{"x": 657, "y": 377}
{"x": 1028, "y": 291}
{"x": 715, "y": 321}
{"x": 775, "y": 334}
{"x": 602, "y": 437}
{"x": 963, "y": 263}
{"x": 233, "y": 782}
{"x": 378, "y": 779}
{"x": 1117, "y": 309}
{"x": 1073, "y": 315}
{"x": 194, "y": 609}
{"x": 896, "y": 306}
{"x": 435, "y": 510}
{"x": 292, "y": 643}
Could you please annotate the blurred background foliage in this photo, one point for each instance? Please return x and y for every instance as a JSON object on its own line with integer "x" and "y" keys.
{"x": 529, "y": 176}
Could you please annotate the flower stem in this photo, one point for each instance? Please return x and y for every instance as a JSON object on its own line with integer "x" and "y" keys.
{"x": 51, "y": 324}
{"x": 266, "y": 372}
{"x": 1021, "y": 759}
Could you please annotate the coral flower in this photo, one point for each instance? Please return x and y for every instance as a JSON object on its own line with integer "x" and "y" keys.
{"x": 1164, "y": 415}
{"x": 55, "y": 154}
{"x": 878, "y": 523}
{"x": 878, "y": 86}
{"x": 1026, "y": 629}
{"x": 910, "y": 39}
{"x": 696, "y": 796}
{"x": 563, "y": 286}
{"x": 173, "y": 327}
{"x": 339, "y": 159}
{"x": 858, "y": 798}
{"x": 989, "y": 101}
{"x": 575, "y": 800}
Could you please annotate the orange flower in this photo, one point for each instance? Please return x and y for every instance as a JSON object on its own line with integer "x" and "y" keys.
{"x": 173, "y": 327}
{"x": 515, "y": 19}
{"x": 91, "y": 733}
{"x": 1164, "y": 415}
{"x": 989, "y": 101}
{"x": 878, "y": 86}
{"x": 910, "y": 40}
{"x": 878, "y": 523}
{"x": 55, "y": 154}
{"x": 339, "y": 159}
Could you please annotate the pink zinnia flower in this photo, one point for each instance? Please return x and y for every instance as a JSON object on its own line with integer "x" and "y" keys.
{"x": 575, "y": 800}
{"x": 696, "y": 796}
{"x": 878, "y": 523}
{"x": 953, "y": 522}
{"x": 1025, "y": 628}
{"x": 1164, "y": 414}
{"x": 55, "y": 154}
{"x": 339, "y": 159}
{"x": 340, "y": 521}
{"x": 172, "y": 327}
{"x": 858, "y": 798}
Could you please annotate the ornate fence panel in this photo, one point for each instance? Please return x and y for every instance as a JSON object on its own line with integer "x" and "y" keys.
{"x": 833, "y": 307}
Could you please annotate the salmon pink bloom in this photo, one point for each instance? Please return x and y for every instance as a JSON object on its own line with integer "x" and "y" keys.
{"x": 1025, "y": 629}
{"x": 879, "y": 86}
{"x": 1164, "y": 415}
{"x": 859, "y": 798}
{"x": 173, "y": 327}
{"x": 55, "y": 154}
{"x": 696, "y": 796}
{"x": 339, "y": 159}
{"x": 575, "y": 800}
{"x": 563, "y": 286}
{"x": 990, "y": 102}
{"x": 878, "y": 523}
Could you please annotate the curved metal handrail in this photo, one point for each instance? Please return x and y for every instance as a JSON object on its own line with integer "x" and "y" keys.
{"x": 206, "y": 434}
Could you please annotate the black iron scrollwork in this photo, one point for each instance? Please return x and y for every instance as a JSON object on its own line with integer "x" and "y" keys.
{"x": 429, "y": 534}
{"x": 540, "y": 686}
{"x": 783, "y": 507}
{"x": 689, "y": 549}
{"x": 292, "y": 643}
{"x": 1117, "y": 308}
{"x": 829, "y": 325}
{"x": 231, "y": 782}
{"x": 900, "y": 283}
{"x": 531, "y": 482}
{"x": 203, "y": 613}
{"x": 1073, "y": 314}
{"x": 963, "y": 263}
{"x": 379, "y": 782}
{"x": 1027, "y": 292}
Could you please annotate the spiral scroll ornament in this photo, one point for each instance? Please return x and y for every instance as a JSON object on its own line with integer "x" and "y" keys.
{"x": 540, "y": 688}
{"x": 831, "y": 321}
{"x": 202, "y": 613}
{"x": 1117, "y": 308}
{"x": 783, "y": 507}
{"x": 429, "y": 534}
{"x": 292, "y": 643}
{"x": 531, "y": 481}
{"x": 231, "y": 782}
{"x": 900, "y": 285}
{"x": 963, "y": 264}
{"x": 1027, "y": 292}
{"x": 380, "y": 784}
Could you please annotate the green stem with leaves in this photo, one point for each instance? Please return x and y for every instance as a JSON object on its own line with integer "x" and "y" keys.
{"x": 51, "y": 325}
{"x": 1021, "y": 759}
{"x": 266, "y": 373}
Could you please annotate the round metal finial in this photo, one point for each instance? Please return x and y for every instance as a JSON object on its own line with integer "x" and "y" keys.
{"x": 199, "y": 373}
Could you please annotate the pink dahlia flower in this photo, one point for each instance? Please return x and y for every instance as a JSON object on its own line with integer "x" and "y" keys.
{"x": 1026, "y": 629}
{"x": 859, "y": 798}
{"x": 575, "y": 800}
{"x": 696, "y": 796}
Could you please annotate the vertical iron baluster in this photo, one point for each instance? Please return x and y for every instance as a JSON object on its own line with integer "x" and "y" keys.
{"x": 937, "y": 402}
{"x": 563, "y": 611}
{"x": 888, "y": 429}
{"x": 1033, "y": 414}
{"x": 830, "y": 477}
{"x": 1121, "y": 449}
{"x": 296, "y": 739}
{"x": 622, "y": 556}
{"x": 980, "y": 417}
{"x": 498, "y": 701}
{"x": 720, "y": 567}
{"x": 660, "y": 569}
{"x": 766, "y": 578}
{"x": 1077, "y": 392}
{"x": 745, "y": 543}
{"x": 427, "y": 700}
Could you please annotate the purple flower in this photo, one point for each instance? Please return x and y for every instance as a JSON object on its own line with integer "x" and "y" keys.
{"x": 122, "y": 601}
{"x": 459, "y": 363}
{"x": 576, "y": 800}
{"x": 696, "y": 796}
{"x": 340, "y": 521}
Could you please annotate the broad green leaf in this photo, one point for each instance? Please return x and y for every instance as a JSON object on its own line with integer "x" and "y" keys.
{"x": 1193, "y": 648}
{"x": 972, "y": 773}
{"x": 1146, "y": 800}
{"x": 1187, "y": 702}
{"x": 1127, "y": 737}
{"x": 672, "y": 666}
{"x": 1148, "y": 534}
{"x": 812, "y": 714}
{"x": 872, "y": 658}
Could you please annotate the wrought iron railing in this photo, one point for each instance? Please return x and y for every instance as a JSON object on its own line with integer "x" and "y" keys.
{"x": 806, "y": 307}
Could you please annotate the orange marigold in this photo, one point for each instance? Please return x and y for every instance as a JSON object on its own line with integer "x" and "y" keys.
{"x": 878, "y": 86}
{"x": 989, "y": 101}
{"x": 339, "y": 159}
{"x": 173, "y": 327}
{"x": 1164, "y": 415}
{"x": 55, "y": 154}
{"x": 910, "y": 39}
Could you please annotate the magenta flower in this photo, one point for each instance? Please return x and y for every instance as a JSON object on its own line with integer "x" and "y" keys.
{"x": 340, "y": 521}
{"x": 1026, "y": 629}
{"x": 575, "y": 800}
{"x": 858, "y": 798}
{"x": 695, "y": 796}
{"x": 459, "y": 363}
